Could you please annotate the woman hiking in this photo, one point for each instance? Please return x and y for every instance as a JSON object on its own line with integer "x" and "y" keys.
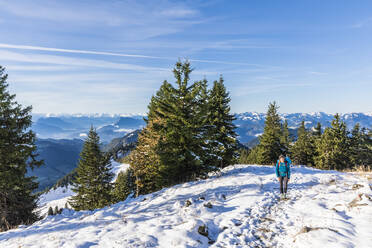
{"x": 283, "y": 173}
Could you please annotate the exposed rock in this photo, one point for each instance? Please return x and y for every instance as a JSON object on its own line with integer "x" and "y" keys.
{"x": 357, "y": 186}
{"x": 208, "y": 205}
{"x": 187, "y": 203}
{"x": 203, "y": 230}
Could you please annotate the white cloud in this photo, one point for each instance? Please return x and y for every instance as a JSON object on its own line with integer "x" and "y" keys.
{"x": 317, "y": 73}
{"x": 132, "y": 20}
{"x": 260, "y": 88}
{"x": 72, "y": 61}
{"x": 11, "y": 67}
{"x": 179, "y": 12}
{"x": 362, "y": 23}
{"x": 55, "y": 11}
{"x": 77, "y": 51}
{"x": 52, "y": 49}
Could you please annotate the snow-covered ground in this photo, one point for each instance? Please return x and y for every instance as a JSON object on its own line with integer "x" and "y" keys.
{"x": 238, "y": 208}
{"x": 59, "y": 196}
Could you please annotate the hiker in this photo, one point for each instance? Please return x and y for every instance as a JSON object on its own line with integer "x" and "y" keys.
{"x": 283, "y": 173}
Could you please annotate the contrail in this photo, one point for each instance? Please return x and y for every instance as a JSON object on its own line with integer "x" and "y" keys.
{"x": 52, "y": 49}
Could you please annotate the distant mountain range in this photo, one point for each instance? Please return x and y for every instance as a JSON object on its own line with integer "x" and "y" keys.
{"x": 250, "y": 124}
{"x": 60, "y": 137}
{"x": 60, "y": 157}
{"x": 77, "y": 126}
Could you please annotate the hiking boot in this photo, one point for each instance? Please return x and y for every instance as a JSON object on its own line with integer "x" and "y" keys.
{"x": 285, "y": 195}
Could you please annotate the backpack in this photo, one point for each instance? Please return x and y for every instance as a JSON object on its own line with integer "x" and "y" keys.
{"x": 286, "y": 164}
{"x": 285, "y": 161}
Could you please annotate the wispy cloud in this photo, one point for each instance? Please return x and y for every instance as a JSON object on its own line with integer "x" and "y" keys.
{"x": 362, "y": 23}
{"x": 70, "y": 61}
{"x": 252, "y": 89}
{"x": 54, "y": 11}
{"x": 41, "y": 68}
{"x": 318, "y": 73}
{"x": 61, "y": 55}
{"x": 52, "y": 49}
{"x": 76, "y": 51}
{"x": 179, "y": 12}
{"x": 134, "y": 20}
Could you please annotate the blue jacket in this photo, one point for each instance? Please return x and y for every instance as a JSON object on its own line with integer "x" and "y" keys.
{"x": 283, "y": 169}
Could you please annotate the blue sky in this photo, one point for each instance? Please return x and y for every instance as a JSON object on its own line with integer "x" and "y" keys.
{"x": 111, "y": 56}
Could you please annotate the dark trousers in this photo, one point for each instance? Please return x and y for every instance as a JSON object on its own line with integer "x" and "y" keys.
{"x": 283, "y": 184}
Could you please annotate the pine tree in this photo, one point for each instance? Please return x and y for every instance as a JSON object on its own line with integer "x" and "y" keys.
{"x": 17, "y": 155}
{"x": 50, "y": 211}
{"x": 316, "y": 134}
{"x": 318, "y": 130}
{"x": 93, "y": 181}
{"x": 249, "y": 156}
{"x": 174, "y": 146}
{"x": 285, "y": 138}
{"x": 221, "y": 130}
{"x": 361, "y": 153}
{"x": 368, "y": 142}
{"x": 124, "y": 185}
{"x": 356, "y": 143}
{"x": 243, "y": 156}
{"x": 303, "y": 149}
{"x": 302, "y": 129}
{"x": 144, "y": 160}
{"x": 333, "y": 147}
{"x": 270, "y": 146}
{"x": 181, "y": 147}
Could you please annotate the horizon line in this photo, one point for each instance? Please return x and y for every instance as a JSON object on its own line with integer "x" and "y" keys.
{"x": 368, "y": 113}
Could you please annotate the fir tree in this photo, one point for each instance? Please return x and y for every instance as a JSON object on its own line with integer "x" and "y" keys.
{"x": 356, "y": 145}
{"x": 270, "y": 146}
{"x": 144, "y": 159}
{"x": 243, "y": 156}
{"x": 181, "y": 146}
{"x": 302, "y": 129}
{"x": 93, "y": 180}
{"x": 221, "y": 130}
{"x": 318, "y": 130}
{"x": 368, "y": 143}
{"x": 285, "y": 138}
{"x": 333, "y": 147}
{"x": 50, "y": 211}
{"x": 316, "y": 135}
{"x": 303, "y": 149}
{"x": 124, "y": 185}
{"x": 17, "y": 155}
{"x": 175, "y": 146}
{"x": 249, "y": 156}
{"x": 361, "y": 153}
{"x": 254, "y": 155}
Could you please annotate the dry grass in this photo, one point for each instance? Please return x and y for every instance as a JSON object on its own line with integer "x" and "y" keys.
{"x": 355, "y": 202}
{"x": 307, "y": 229}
